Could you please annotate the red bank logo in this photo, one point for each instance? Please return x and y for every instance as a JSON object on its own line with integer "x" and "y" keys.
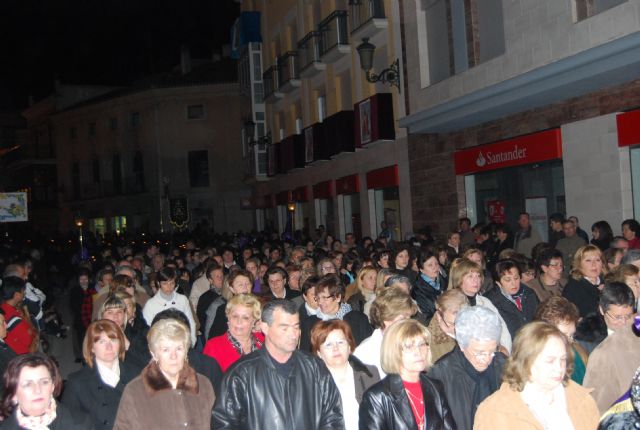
{"x": 500, "y": 157}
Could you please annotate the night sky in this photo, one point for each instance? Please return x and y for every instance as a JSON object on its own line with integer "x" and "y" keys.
{"x": 106, "y": 42}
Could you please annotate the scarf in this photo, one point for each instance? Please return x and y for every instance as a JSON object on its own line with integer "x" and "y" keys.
{"x": 485, "y": 381}
{"x": 40, "y": 422}
{"x": 345, "y": 308}
{"x": 111, "y": 377}
{"x": 435, "y": 284}
{"x": 255, "y": 343}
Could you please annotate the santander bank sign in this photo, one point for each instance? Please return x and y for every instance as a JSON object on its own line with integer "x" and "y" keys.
{"x": 532, "y": 148}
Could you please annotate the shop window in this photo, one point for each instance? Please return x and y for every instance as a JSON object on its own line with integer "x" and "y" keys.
{"x": 198, "y": 168}
{"x": 119, "y": 224}
{"x": 195, "y": 111}
{"x": 98, "y": 226}
{"x": 461, "y": 34}
{"x": 584, "y": 9}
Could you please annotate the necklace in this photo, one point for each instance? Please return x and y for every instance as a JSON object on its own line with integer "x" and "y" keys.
{"x": 416, "y": 411}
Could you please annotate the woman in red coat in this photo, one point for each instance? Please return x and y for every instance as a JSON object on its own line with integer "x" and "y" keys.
{"x": 243, "y": 310}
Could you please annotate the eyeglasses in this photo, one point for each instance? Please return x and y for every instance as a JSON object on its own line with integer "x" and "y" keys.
{"x": 444, "y": 320}
{"x": 483, "y": 354}
{"x": 319, "y": 299}
{"x": 619, "y": 318}
{"x": 414, "y": 347}
{"x": 556, "y": 265}
{"x": 340, "y": 344}
{"x": 31, "y": 385}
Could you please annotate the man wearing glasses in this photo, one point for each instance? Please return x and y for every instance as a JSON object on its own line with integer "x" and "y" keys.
{"x": 612, "y": 364}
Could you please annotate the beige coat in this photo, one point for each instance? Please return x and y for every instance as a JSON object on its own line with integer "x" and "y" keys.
{"x": 505, "y": 410}
{"x": 149, "y": 402}
{"x": 611, "y": 367}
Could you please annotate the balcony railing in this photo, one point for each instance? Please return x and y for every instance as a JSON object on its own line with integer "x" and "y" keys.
{"x": 333, "y": 32}
{"x": 288, "y": 72}
{"x": 270, "y": 82}
{"x": 364, "y": 11}
{"x": 309, "y": 54}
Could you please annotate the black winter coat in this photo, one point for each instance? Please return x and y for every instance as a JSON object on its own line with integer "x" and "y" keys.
{"x": 386, "y": 406}
{"x": 425, "y": 295}
{"x": 65, "y": 420}
{"x": 358, "y": 322}
{"x": 255, "y": 396}
{"x": 85, "y": 392}
{"x": 508, "y": 310}
{"x": 459, "y": 386}
{"x": 364, "y": 376}
{"x": 583, "y": 294}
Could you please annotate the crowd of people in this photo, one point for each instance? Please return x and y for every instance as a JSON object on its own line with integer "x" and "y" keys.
{"x": 488, "y": 329}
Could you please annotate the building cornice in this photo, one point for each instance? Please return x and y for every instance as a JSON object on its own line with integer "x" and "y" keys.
{"x": 606, "y": 65}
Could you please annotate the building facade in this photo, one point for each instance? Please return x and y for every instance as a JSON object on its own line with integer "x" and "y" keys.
{"x": 520, "y": 105}
{"x": 327, "y": 145}
{"x": 128, "y": 159}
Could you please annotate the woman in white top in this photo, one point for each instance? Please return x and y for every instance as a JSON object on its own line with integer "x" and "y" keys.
{"x": 333, "y": 342}
{"x": 537, "y": 392}
{"x": 167, "y": 298}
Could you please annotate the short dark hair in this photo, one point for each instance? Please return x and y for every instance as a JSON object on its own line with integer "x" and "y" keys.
{"x": 12, "y": 285}
{"x": 504, "y": 266}
{"x": 616, "y": 293}
{"x": 309, "y": 283}
{"x": 632, "y": 224}
{"x": 276, "y": 270}
{"x": 424, "y": 256}
{"x": 166, "y": 274}
{"x": 285, "y": 305}
{"x": 212, "y": 267}
{"x": 332, "y": 283}
{"x": 545, "y": 257}
{"x": 556, "y": 217}
{"x": 172, "y": 313}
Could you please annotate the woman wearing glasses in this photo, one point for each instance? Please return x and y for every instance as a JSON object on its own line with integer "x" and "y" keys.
{"x": 31, "y": 382}
{"x": 473, "y": 370}
{"x": 333, "y": 342}
{"x": 537, "y": 392}
{"x": 406, "y": 398}
{"x": 549, "y": 281}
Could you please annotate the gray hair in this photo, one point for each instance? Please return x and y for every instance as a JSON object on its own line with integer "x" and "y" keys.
{"x": 286, "y": 306}
{"x": 398, "y": 279}
{"x": 630, "y": 256}
{"x": 477, "y": 323}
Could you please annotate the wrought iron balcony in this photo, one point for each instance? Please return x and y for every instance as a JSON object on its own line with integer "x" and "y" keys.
{"x": 309, "y": 55}
{"x": 288, "y": 75}
{"x": 334, "y": 37}
{"x": 270, "y": 82}
{"x": 367, "y": 18}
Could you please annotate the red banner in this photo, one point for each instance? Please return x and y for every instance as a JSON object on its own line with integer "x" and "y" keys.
{"x": 387, "y": 177}
{"x": 348, "y": 185}
{"x": 628, "y": 128}
{"x": 323, "y": 190}
{"x": 532, "y": 148}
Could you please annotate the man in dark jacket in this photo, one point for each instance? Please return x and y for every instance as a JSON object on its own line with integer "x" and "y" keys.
{"x": 473, "y": 370}
{"x": 278, "y": 387}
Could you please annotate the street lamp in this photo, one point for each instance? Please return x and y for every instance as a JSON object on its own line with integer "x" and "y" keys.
{"x": 79, "y": 224}
{"x": 390, "y": 75}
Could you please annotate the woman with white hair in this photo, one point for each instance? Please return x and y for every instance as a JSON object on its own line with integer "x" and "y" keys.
{"x": 169, "y": 393}
{"x": 473, "y": 370}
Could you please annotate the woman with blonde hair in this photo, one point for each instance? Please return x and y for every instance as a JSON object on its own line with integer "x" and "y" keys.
{"x": 467, "y": 276}
{"x": 627, "y": 274}
{"x": 97, "y": 388}
{"x": 243, "y": 310}
{"x": 168, "y": 393}
{"x": 586, "y": 280}
{"x": 365, "y": 288}
{"x": 406, "y": 397}
{"x": 537, "y": 391}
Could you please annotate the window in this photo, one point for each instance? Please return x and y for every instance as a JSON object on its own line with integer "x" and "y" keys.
{"x": 195, "y": 111}
{"x": 73, "y": 133}
{"x": 257, "y": 67}
{"x": 198, "y": 168}
{"x": 322, "y": 108}
{"x": 75, "y": 179}
{"x": 113, "y": 123}
{"x": 117, "y": 174}
{"x": 92, "y": 129}
{"x": 96, "y": 170}
{"x": 461, "y": 34}
{"x": 138, "y": 171}
{"x": 259, "y": 93}
{"x": 135, "y": 119}
{"x": 584, "y": 9}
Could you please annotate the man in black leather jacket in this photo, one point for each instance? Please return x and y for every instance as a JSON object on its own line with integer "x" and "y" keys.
{"x": 278, "y": 387}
